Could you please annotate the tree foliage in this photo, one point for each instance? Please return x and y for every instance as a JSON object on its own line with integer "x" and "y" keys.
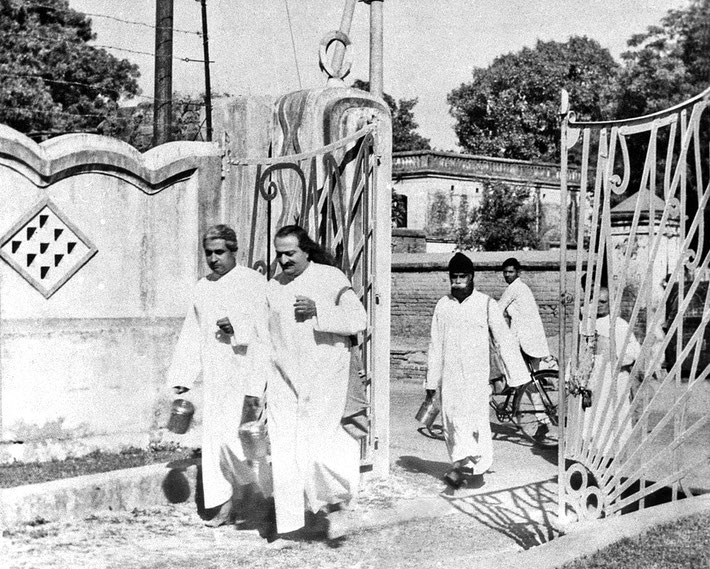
{"x": 404, "y": 126}
{"x": 503, "y": 221}
{"x": 510, "y": 108}
{"x": 441, "y": 214}
{"x": 668, "y": 63}
{"x": 51, "y": 78}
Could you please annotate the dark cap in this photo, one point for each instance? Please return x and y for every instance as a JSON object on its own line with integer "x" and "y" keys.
{"x": 460, "y": 263}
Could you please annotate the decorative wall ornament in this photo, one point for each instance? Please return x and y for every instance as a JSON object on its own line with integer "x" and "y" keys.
{"x": 45, "y": 248}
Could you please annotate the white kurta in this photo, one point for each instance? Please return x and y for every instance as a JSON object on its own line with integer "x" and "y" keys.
{"x": 459, "y": 368}
{"x": 315, "y": 462}
{"x": 519, "y": 304}
{"x": 230, "y": 370}
{"x": 611, "y": 400}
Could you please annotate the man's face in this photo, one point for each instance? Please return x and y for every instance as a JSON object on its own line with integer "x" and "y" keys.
{"x": 461, "y": 284}
{"x": 220, "y": 259}
{"x": 603, "y": 303}
{"x": 292, "y": 259}
{"x": 510, "y": 273}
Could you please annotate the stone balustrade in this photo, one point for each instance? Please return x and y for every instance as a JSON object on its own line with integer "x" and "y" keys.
{"x": 417, "y": 162}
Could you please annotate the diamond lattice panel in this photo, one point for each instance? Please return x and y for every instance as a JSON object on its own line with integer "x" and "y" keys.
{"x": 46, "y": 248}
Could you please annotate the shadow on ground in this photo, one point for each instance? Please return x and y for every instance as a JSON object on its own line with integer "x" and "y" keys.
{"x": 521, "y": 513}
{"x": 418, "y": 465}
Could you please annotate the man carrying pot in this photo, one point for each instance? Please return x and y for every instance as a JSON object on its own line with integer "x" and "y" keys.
{"x": 224, "y": 338}
{"x": 458, "y": 371}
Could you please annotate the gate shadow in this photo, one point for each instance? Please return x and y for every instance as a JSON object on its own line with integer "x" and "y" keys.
{"x": 522, "y": 513}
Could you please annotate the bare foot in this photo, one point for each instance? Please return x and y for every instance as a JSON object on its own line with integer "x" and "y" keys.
{"x": 222, "y": 517}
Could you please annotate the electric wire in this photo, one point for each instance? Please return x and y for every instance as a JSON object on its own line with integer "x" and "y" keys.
{"x": 133, "y": 22}
{"x": 293, "y": 44}
{"x": 49, "y": 39}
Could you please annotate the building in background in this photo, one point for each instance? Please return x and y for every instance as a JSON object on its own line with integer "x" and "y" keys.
{"x": 437, "y": 191}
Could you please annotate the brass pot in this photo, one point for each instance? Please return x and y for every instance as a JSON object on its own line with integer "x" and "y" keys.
{"x": 181, "y": 412}
{"x": 255, "y": 440}
{"x": 428, "y": 412}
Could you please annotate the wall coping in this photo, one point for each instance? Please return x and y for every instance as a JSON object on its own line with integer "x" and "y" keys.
{"x": 482, "y": 261}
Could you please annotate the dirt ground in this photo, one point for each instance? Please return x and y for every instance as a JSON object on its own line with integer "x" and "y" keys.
{"x": 407, "y": 520}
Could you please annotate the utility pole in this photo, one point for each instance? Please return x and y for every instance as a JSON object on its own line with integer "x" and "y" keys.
{"x": 376, "y": 46}
{"x": 208, "y": 86}
{"x": 163, "y": 104}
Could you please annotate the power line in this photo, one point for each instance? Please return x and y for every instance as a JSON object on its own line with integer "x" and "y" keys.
{"x": 133, "y": 22}
{"x": 293, "y": 44}
{"x": 135, "y": 51}
{"x": 191, "y": 32}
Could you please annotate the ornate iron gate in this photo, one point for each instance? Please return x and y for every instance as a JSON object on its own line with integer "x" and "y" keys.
{"x": 330, "y": 193}
{"x": 636, "y": 405}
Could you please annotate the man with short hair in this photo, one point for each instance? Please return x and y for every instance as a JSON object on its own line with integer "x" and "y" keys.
{"x": 224, "y": 338}
{"x": 459, "y": 370}
{"x": 518, "y": 304}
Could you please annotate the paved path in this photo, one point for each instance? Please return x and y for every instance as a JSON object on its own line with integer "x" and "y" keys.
{"x": 408, "y": 520}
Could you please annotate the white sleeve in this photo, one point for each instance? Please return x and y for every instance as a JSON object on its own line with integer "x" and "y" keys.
{"x": 186, "y": 363}
{"x": 516, "y": 370}
{"x": 436, "y": 354}
{"x": 345, "y": 318}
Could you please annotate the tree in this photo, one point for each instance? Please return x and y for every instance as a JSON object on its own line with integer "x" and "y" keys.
{"x": 53, "y": 81}
{"x": 404, "y": 127}
{"x": 667, "y": 64}
{"x": 441, "y": 214}
{"x": 510, "y": 108}
{"x": 504, "y": 220}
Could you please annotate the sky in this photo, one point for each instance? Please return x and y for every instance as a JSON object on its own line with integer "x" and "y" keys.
{"x": 430, "y": 48}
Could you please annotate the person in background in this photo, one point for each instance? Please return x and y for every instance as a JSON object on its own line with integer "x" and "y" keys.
{"x": 519, "y": 306}
{"x": 312, "y": 313}
{"x": 601, "y": 422}
{"x": 458, "y": 370}
{"x": 223, "y": 338}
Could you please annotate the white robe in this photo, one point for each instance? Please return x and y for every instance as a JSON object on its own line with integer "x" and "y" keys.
{"x": 459, "y": 369}
{"x": 230, "y": 370}
{"x": 315, "y": 462}
{"x": 525, "y": 322}
{"x": 600, "y": 423}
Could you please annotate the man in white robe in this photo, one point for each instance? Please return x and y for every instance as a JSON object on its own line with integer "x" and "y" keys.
{"x": 600, "y": 424}
{"x": 458, "y": 368}
{"x": 224, "y": 339}
{"x": 518, "y": 303}
{"x": 312, "y": 313}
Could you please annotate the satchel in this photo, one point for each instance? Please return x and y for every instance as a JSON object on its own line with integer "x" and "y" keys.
{"x": 355, "y": 419}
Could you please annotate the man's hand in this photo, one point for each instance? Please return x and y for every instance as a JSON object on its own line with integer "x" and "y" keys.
{"x": 430, "y": 393}
{"x": 179, "y": 389}
{"x": 304, "y": 308}
{"x": 225, "y": 325}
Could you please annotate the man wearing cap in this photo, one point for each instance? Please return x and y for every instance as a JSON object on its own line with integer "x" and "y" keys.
{"x": 459, "y": 369}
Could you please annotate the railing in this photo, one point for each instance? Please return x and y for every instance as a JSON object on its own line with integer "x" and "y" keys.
{"x": 404, "y": 163}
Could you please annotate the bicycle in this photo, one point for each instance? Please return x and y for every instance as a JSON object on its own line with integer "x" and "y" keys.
{"x": 532, "y": 408}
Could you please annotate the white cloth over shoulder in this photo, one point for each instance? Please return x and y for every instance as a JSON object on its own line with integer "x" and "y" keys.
{"x": 525, "y": 322}
{"x": 231, "y": 367}
{"x": 459, "y": 367}
{"x": 315, "y": 462}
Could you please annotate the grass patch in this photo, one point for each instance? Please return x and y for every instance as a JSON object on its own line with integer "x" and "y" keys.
{"x": 21, "y": 473}
{"x": 682, "y": 544}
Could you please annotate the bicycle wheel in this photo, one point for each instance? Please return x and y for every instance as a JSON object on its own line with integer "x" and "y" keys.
{"x": 536, "y": 409}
